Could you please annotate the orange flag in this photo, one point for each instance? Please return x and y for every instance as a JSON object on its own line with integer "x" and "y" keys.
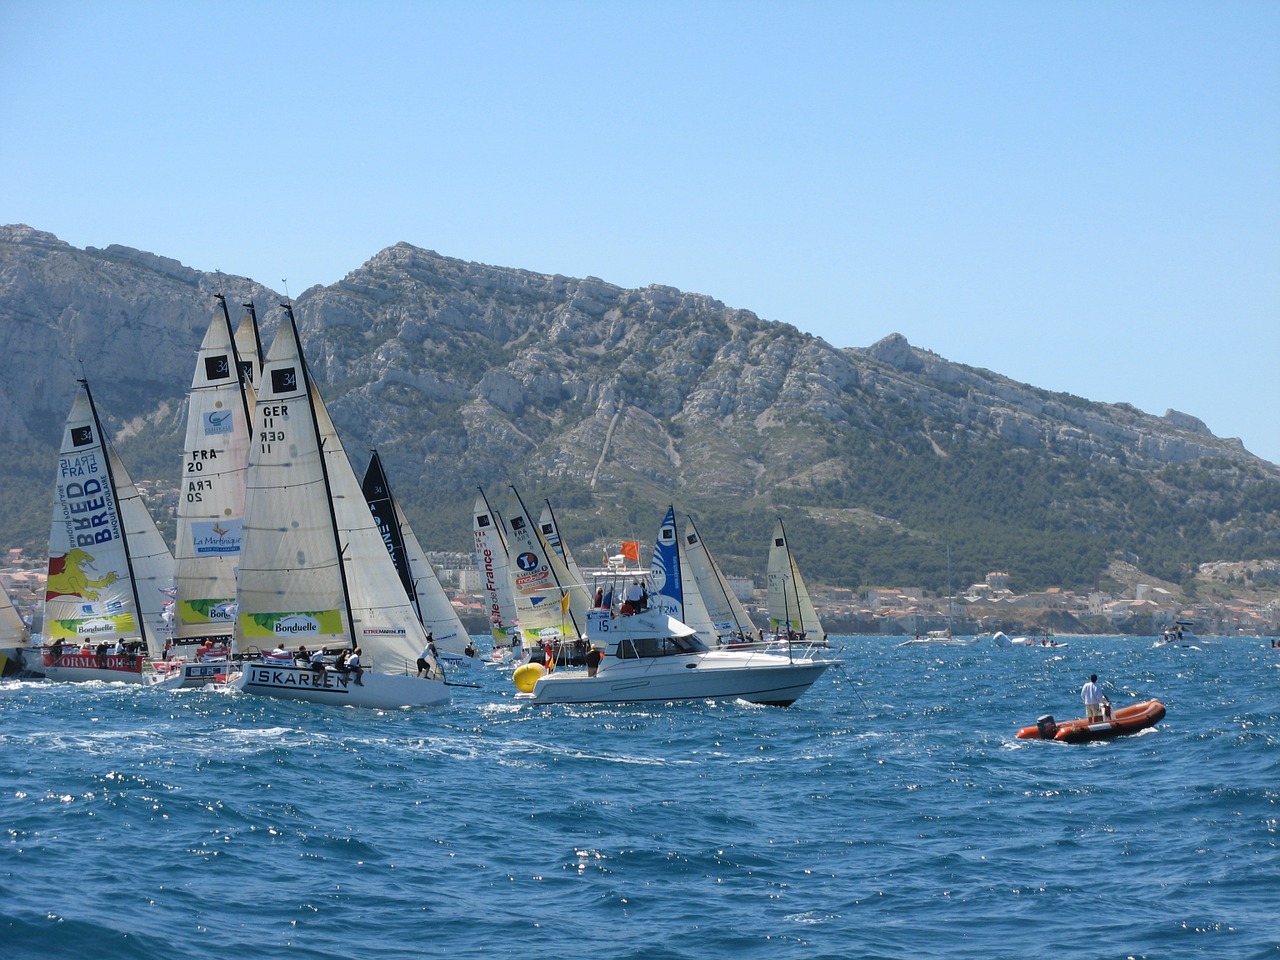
{"x": 630, "y": 549}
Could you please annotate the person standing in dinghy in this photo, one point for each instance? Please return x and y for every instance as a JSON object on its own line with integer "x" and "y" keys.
{"x": 1094, "y": 700}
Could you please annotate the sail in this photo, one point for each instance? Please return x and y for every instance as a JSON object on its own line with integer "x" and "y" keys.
{"x": 573, "y": 581}
{"x": 664, "y": 571}
{"x": 110, "y": 572}
{"x": 537, "y": 572}
{"x": 491, "y": 553}
{"x": 13, "y": 630}
{"x": 432, "y": 604}
{"x": 790, "y": 608}
{"x": 248, "y": 344}
{"x": 215, "y": 461}
{"x": 313, "y": 565}
{"x": 673, "y": 590}
{"x": 724, "y": 609}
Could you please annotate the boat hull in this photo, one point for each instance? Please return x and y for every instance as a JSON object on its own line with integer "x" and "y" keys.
{"x": 380, "y": 691}
{"x": 23, "y": 662}
{"x": 1124, "y": 721}
{"x": 695, "y": 677}
{"x": 198, "y": 673}
{"x": 110, "y": 668}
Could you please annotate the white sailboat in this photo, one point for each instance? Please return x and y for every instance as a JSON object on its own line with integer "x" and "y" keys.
{"x": 110, "y": 572}
{"x": 15, "y": 641}
{"x": 945, "y": 635}
{"x": 313, "y": 565}
{"x": 418, "y": 576}
{"x": 541, "y": 582}
{"x": 499, "y": 592}
{"x": 574, "y": 582}
{"x": 729, "y": 618}
{"x": 791, "y": 612}
{"x": 215, "y": 463}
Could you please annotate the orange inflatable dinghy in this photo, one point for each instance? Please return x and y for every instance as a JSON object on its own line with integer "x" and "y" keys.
{"x": 1128, "y": 719}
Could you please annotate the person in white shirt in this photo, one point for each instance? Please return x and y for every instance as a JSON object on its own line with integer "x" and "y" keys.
{"x": 1093, "y": 698}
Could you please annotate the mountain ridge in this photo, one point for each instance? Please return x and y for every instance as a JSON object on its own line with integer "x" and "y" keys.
{"x": 615, "y": 402}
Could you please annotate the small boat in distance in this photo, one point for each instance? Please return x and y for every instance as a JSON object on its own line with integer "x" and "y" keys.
{"x": 1126, "y": 720}
{"x": 940, "y": 636}
{"x": 792, "y": 616}
{"x": 1181, "y": 634}
{"x": 1044, "y": 642}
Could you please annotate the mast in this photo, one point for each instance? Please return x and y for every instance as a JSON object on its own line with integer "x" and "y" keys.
{"x": 235, "y": 355}
{"x": 257, "y": 340}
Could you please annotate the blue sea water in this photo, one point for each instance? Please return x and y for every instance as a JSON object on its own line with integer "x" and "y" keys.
{"x": 890, "y": 813}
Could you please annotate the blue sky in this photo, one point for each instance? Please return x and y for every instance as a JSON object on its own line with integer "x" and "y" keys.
{"x": 1081, "y": 196}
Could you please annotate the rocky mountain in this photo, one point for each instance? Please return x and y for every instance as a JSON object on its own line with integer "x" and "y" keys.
{"x": 614, "y": 403}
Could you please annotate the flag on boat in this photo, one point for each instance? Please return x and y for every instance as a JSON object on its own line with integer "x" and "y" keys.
{"x": 630, "y": 549}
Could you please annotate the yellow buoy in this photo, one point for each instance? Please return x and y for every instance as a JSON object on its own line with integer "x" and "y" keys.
{"x": 527, "y": 675}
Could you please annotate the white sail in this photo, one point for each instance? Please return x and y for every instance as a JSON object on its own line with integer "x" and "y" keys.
{"x": 491, "y": 554}
{"x": 110, "y": 572}
{"x": 215, "y": 462}
{"x": 790, "y": 609}
{"x": 537, "y": 574}
{"x": 435, "y": 610}
{"x": 13, "y": 630}
{"x": 313, "y": 565}
{"x": 725, "y": 611}
{"x": 573, "y": 580}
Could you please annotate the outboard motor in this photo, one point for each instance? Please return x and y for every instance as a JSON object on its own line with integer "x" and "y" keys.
{"x": 1047, "y": 726}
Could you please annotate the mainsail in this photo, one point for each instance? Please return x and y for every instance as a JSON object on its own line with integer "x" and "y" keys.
{"x": 110, "y": 572}
{"x": 418, "y": 576}
{"x": 215, "y": 462}
{"x": 727, "y": 614}
{"x": 313, "y": 564}
{"x": 790, "y": 609}
{"x": 491, "y": 553}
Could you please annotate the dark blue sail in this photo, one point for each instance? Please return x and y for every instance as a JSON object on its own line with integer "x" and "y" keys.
{"x": 665, "y": 590}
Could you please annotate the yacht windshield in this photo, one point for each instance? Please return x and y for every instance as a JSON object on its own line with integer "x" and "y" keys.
{"x": 660, "y": 647}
